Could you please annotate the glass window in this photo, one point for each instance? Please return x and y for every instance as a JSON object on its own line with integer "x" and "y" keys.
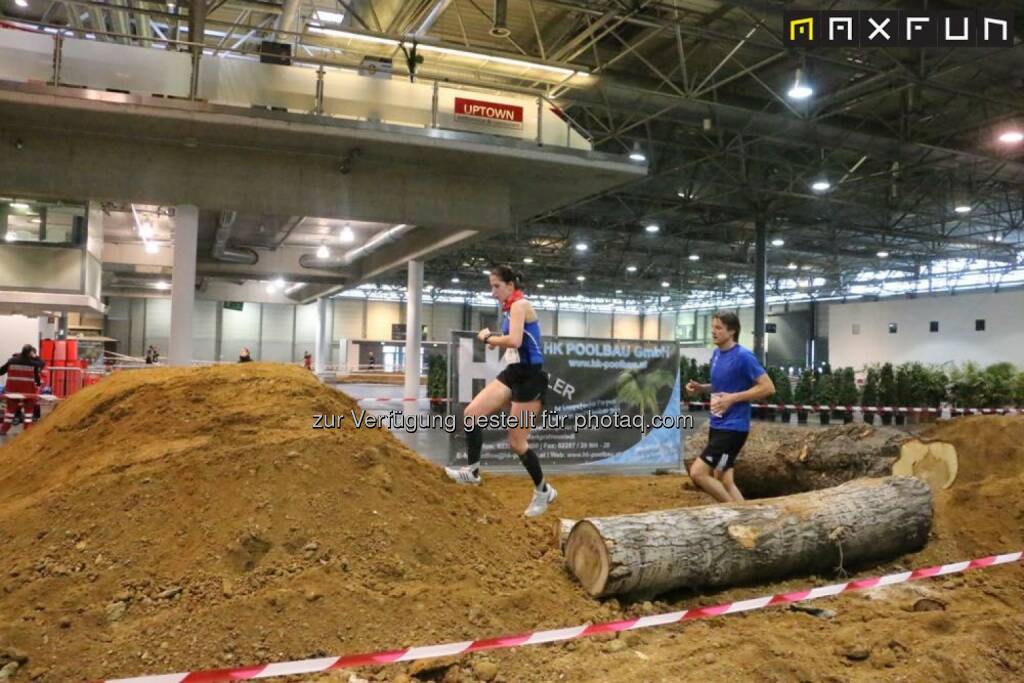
{"x": 933, "y": 326}
{"x": 24, "y": 221}
{"x": 979, "y": 325}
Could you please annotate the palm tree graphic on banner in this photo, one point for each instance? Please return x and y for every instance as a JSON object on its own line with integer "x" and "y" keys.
{"x": 636, "y": 389}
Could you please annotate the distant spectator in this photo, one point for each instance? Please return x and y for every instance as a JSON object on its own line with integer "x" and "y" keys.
{"x": 152, "y": 355}
{"x": 244, "y": 356}
{"x": 373, "y": 361}
{"x": 307, "y": 360}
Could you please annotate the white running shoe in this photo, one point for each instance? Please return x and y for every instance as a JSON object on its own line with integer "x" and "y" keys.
{"x": 463, "y": 475}
{"x": 541, "y": 500}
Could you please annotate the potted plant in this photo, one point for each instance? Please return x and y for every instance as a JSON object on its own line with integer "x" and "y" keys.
{"x": 998, "y": 380}
{"x": 869, "y": 396}
{"x": 1018, "y": 390}
{"x": 784, "y": 394}
{"x": 904, "y": 392}
{"x": 846, "y": 395}
{"x": 703, "y": 376}
{"x": 935, "y": 392}
{"x": 804, "y": 394}
{"x": 887, "y": 392}
{"x": 769, "y": 411}
{"x": 437, "y": 383}
{"x": 824, "y": 396}
{"x": 967, "y": 387}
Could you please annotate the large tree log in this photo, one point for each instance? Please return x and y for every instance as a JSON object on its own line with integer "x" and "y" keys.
{"x": 724, "y": 545}
{"x": 779, "y": 460}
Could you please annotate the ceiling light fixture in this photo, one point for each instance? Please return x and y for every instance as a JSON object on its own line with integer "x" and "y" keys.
{"x": 160, "y": 284}
{"x": 1011, "y": 137}
{"x": 637, "y": 154}
{"x": 10, "y": 236}
{"x": 800, "y": 90}
{"x": 821, "y": 185}
{"x": 631, "y": 269}
{"x": 694, "y": 257}
{"x": 527, "y": 260}
{"x": 791, "y": 266}
{"x": 666, "y": 283}
{"x": 652, "y": 228}
{"x": 778, "y": 242}
{"x": 581, "y": 278}
{"x": 962, "y": 208}
{"x": 540, "y": 285}
{"x": 346, "y": 235}
{"x": 882, "y": 254}
{"x": 323, "y": 252}
{"x": 455, "y": 280}
{"x": 581, "y": 246}
{"x": 721, "y": 276}
{"x": 20, "y": 206}
{"x": 152, "y": 248}
{"x": 486, "y": 272}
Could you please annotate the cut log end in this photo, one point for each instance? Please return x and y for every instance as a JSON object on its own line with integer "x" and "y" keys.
{"x": 935, "y": 462}
{"x": 586, "y": 556}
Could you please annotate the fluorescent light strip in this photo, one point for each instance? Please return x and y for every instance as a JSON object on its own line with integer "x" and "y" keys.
{"x": 335, "y": 33}
{"x": 561, "y": 70}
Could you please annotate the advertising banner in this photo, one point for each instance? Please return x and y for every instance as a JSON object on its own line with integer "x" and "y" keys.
{"x": 609, "y": 403}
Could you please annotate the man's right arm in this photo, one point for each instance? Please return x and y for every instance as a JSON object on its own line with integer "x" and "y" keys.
{"x": 3, "y": 368}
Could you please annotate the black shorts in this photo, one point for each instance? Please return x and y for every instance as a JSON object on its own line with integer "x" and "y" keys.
{"x": 723, "y": 448}
{"x": 527, "y": 382}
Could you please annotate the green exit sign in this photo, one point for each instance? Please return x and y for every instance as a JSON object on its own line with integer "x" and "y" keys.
{"x": 234, "y": 305}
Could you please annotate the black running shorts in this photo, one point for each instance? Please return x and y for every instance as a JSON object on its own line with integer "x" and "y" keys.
{"x": 527, "y": 382}
{"x": 723, "y": 448}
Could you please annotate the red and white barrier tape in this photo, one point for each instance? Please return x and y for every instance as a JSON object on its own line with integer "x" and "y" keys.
{"x": 322, "y": 664}
{"x": 871, "y": 409}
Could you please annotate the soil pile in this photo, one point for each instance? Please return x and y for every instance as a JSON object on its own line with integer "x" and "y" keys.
{"x": 166, "y": 519}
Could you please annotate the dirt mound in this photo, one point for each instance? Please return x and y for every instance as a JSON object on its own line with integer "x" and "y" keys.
{"x": 168, "y": 519}
{"x": 984, "y": 509}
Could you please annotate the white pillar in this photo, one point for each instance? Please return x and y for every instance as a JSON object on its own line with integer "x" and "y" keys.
{"x": 183, "y": 284}
{"x": 322, "y": 353}
{"x": 413, "y": 340}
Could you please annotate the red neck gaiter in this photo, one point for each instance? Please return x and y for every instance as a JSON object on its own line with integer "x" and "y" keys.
{"x": 515, "y": 296}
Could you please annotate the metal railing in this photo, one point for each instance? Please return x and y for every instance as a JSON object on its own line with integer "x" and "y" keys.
{"x": 319, "y": 87}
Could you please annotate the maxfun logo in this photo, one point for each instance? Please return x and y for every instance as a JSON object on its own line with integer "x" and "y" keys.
{"x": 898, "y": 28}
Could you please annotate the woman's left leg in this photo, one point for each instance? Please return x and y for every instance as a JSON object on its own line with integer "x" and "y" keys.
{"x": 518, "y": 439}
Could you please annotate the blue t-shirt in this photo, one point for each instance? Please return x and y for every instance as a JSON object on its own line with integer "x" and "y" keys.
{"x": 731, "y": 371}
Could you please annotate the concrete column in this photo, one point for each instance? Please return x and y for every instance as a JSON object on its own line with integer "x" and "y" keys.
{"x": 760, "y": 282}
{"x": 183, "y": 285}
{"x": 413, "y": 341}
{"x": 322, "y": 352}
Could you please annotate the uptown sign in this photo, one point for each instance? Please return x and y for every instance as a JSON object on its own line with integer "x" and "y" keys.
{"x": 490, "y": 113}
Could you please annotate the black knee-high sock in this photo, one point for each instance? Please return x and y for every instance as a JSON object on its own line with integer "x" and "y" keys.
{"x": 532, "y": 465}
{"x": 474, "y": 445}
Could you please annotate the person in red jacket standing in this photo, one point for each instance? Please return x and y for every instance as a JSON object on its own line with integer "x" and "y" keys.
{"x": 22, "y": 388}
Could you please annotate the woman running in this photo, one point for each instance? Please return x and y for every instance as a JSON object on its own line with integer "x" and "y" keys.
{"x": 522, "y": 383}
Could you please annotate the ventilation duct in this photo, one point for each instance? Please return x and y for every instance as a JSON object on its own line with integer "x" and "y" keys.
{"x": 379, "y": 240}
{"x": 220, "y": 243}
{"x": 500, "y": 28}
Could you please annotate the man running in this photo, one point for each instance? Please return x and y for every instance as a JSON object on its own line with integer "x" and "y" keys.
{"x": 737, "y": 378}
{"x": 522, "y": 383}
